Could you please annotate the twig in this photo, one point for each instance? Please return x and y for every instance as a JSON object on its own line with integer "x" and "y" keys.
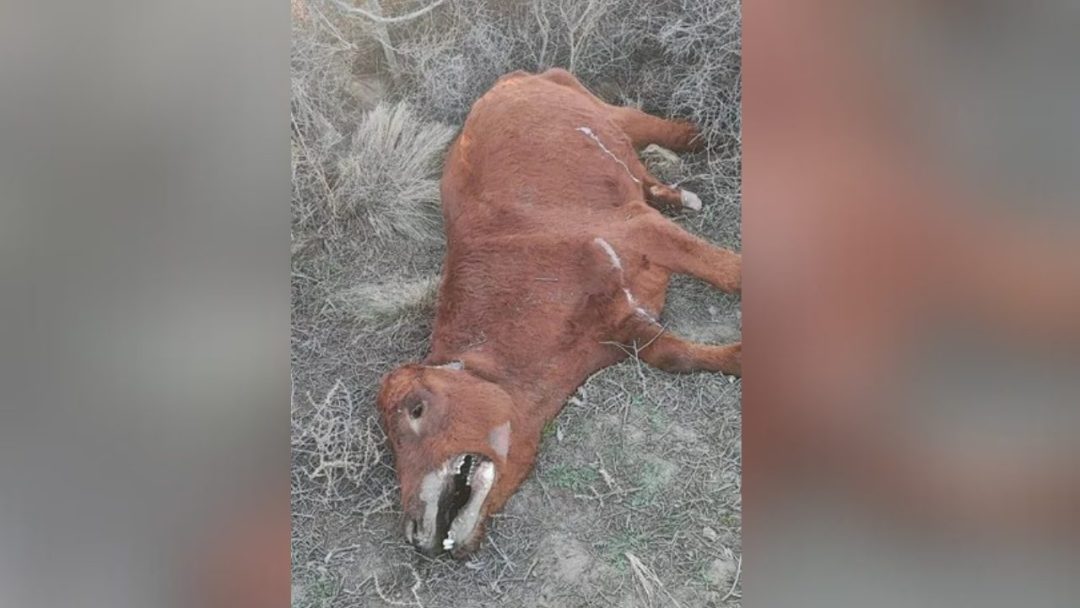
{"x": 506, "y": 560}
{"x": 380, "y": 19}
{"x": 330, "y": 554}
{"x": 639, "y": 570}
{"x": 543, "y": 488}
{"x": 531, "y": 566}
{"x": 598, "y": 496}
{"x": 528, "y": 573}
{"x": 644, "y": 573}
{"x": 604, "y": 473}
{"x": 382, "y": 595}
{"x": 416, "y": 586}
{"x": 734, "y": 583}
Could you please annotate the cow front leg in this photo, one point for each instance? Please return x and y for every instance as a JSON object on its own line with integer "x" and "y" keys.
{"x": 666, "y": 243}
{"x": 673, "y": 354}
{"x": 655, "y": 345}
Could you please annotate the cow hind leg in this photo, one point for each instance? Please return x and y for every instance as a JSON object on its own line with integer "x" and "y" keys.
{"x": 661, "y": 195}
{"x": 666, "y": 243}
{"x": 642, "y": 129}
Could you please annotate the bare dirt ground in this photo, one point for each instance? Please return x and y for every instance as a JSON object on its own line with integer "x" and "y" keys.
{"x": 635, "y": 500}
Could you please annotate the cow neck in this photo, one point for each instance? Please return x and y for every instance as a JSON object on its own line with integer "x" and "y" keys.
{"x": 484, "y": 372}
{"x": 533, "y": 394}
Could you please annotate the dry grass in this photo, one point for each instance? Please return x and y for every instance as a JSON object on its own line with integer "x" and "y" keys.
{"x": 649, "y": 515}
{"x": 388, "y": 176}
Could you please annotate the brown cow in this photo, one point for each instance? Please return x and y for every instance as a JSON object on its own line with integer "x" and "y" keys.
{"x": 554, "y": 260}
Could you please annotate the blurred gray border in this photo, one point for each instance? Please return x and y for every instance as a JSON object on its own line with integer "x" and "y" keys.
{"x": 144, "y": 256}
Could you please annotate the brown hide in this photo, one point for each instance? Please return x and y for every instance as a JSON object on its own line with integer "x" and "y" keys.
{"x": 554, "y": 260}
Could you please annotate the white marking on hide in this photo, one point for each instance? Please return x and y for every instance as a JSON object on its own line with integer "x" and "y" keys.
{"x": 614, "y": 257}
{"x": 414, "y": 424}
{"x": 638, "y": 309}
{"x": 589, "y": 133}
{"x": 616, "y": 262}
{"x": 499, "y": 439}
{"x": 648, "y": 316}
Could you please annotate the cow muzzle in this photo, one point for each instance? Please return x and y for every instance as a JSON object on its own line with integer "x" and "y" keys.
{"x": 452, "y": 500}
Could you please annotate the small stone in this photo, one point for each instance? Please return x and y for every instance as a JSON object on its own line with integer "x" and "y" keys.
{"x": 721, "y": 572}
{"x": 710, "y": 534}
{"x": 691, "y": 201}
{"x": 662, "y": 163}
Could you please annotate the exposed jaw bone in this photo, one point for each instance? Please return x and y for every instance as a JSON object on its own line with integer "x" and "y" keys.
{"x": 464, "y": 525}
{"x": 430, "y": 491}
{"x": 448, "y": 524}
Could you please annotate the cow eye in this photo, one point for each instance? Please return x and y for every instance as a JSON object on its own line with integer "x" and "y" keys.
{"x": 416, "y": 411}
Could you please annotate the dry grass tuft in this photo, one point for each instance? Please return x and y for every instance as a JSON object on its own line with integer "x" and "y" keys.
{"x": 382, "y": 305}
{"x": 388, "y": 176}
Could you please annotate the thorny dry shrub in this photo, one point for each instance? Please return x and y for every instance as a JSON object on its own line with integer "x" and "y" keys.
{"x": 334, "y": 444}
{"x": 374, "y": 106}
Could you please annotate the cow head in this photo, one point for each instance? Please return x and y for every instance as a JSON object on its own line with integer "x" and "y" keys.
{"x": 460, "y": 450}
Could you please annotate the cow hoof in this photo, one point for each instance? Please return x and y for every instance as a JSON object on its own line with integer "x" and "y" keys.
{"x": 690, "y": 201}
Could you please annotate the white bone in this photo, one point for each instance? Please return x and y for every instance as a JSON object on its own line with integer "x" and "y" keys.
{"x": 464, "y": 525}
{"x": 430, "y": 490}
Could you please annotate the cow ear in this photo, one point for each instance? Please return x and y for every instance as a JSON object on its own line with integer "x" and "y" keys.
{"x": 396, "y": 387}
